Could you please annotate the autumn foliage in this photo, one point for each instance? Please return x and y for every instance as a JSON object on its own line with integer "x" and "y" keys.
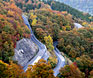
{"x": 49, "y": 22}
{"x": 42, "y": 69}
{"x": 12, "y": 29}
{"x": 77, "y": 45}
{"x": 71, "y": 71}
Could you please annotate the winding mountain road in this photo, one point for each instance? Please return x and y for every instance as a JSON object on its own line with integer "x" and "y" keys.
{"x": 42, "y": 51}
{"x": 77, "y": 25}
{"x": 61, "y": 59}
{"x": 42, "y": 47}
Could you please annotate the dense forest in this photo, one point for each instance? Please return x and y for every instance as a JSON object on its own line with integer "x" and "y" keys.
{"x": 41, "y": 69}
{"x": 80, "y": 42}
{"x": 56, "y": 24}
{"x": 12, "y": 29}
{"x": 76, "y": 44}
{"x": 63, "y": 7}
{"x": 27, "y": 5}
{"x": 49, "y": 23}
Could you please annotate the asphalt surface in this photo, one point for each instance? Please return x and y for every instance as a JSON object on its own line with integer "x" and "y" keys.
{"x": 77, "y": 25}
{"x": 61, "y": 59}
{"x": 42, "y": 47}
{"x": 42, "y": 51}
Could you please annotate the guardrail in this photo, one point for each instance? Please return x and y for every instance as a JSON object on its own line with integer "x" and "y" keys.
{"x": 42, "y": 47}
{"x": 61, "y": 60}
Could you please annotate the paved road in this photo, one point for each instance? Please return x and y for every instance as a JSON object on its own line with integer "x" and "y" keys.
{"x": 61, "y": 59}
{"x": 42, "y": 47}
{"x": 77, "y": 25}
{"x": 42, "y": 51}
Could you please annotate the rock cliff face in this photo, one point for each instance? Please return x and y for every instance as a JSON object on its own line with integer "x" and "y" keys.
{"x": 25, "y": 50}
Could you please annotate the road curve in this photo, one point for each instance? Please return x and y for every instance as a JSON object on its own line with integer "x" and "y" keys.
{"x": 42, "y": 51}
{"x": 61, "y": 59}
{"x": 77, "y": 25}
{"x": 42, "y": 47}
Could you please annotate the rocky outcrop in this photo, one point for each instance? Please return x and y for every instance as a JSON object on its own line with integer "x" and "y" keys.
{"x": 25, "y": 50}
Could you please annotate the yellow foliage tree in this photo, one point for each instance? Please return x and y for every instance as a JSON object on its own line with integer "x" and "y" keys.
{"x": 34, "y": 22}
{"x": 64, "y": 28}
{"x": 10, "y": 13}
{"x": 49, "y": 43}
{"x": 42, "y": 69}
{"x": 84, "y": 23}
{"x": 33, "y": 18}
{"x": 3, "y": 69}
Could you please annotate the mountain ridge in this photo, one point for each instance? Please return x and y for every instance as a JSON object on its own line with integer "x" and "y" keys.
{"x": 82, "y": 5}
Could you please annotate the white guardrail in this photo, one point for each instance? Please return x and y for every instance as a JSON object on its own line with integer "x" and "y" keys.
{"x": 42, "y": 51}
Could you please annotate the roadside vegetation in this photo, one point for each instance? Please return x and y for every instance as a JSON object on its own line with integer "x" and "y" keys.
{"x": 12, "y": 29}
{"x": 56, "y": 24}
{"x": 41, "y": 69}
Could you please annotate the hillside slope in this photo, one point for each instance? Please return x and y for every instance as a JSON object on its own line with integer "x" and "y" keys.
{"x": 82, "y": 5}
{"x": 12, "y": 29}
{"x": 63, "y": 7}
{"x": 27, "y": 5}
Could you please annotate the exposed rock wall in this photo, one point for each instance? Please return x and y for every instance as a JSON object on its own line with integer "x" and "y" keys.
{"x": 25, "y": 50}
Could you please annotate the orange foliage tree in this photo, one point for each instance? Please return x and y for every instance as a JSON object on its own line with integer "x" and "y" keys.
{"x": 42, "y": 69}
{"x": 12, "y": 29}
{"x": 71, "y": 71}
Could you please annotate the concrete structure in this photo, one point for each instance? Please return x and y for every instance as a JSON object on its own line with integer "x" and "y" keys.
{"x": 25, "y": 50}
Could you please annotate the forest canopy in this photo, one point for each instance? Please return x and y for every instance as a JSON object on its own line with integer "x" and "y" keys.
{"x": 12, "y": 29}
